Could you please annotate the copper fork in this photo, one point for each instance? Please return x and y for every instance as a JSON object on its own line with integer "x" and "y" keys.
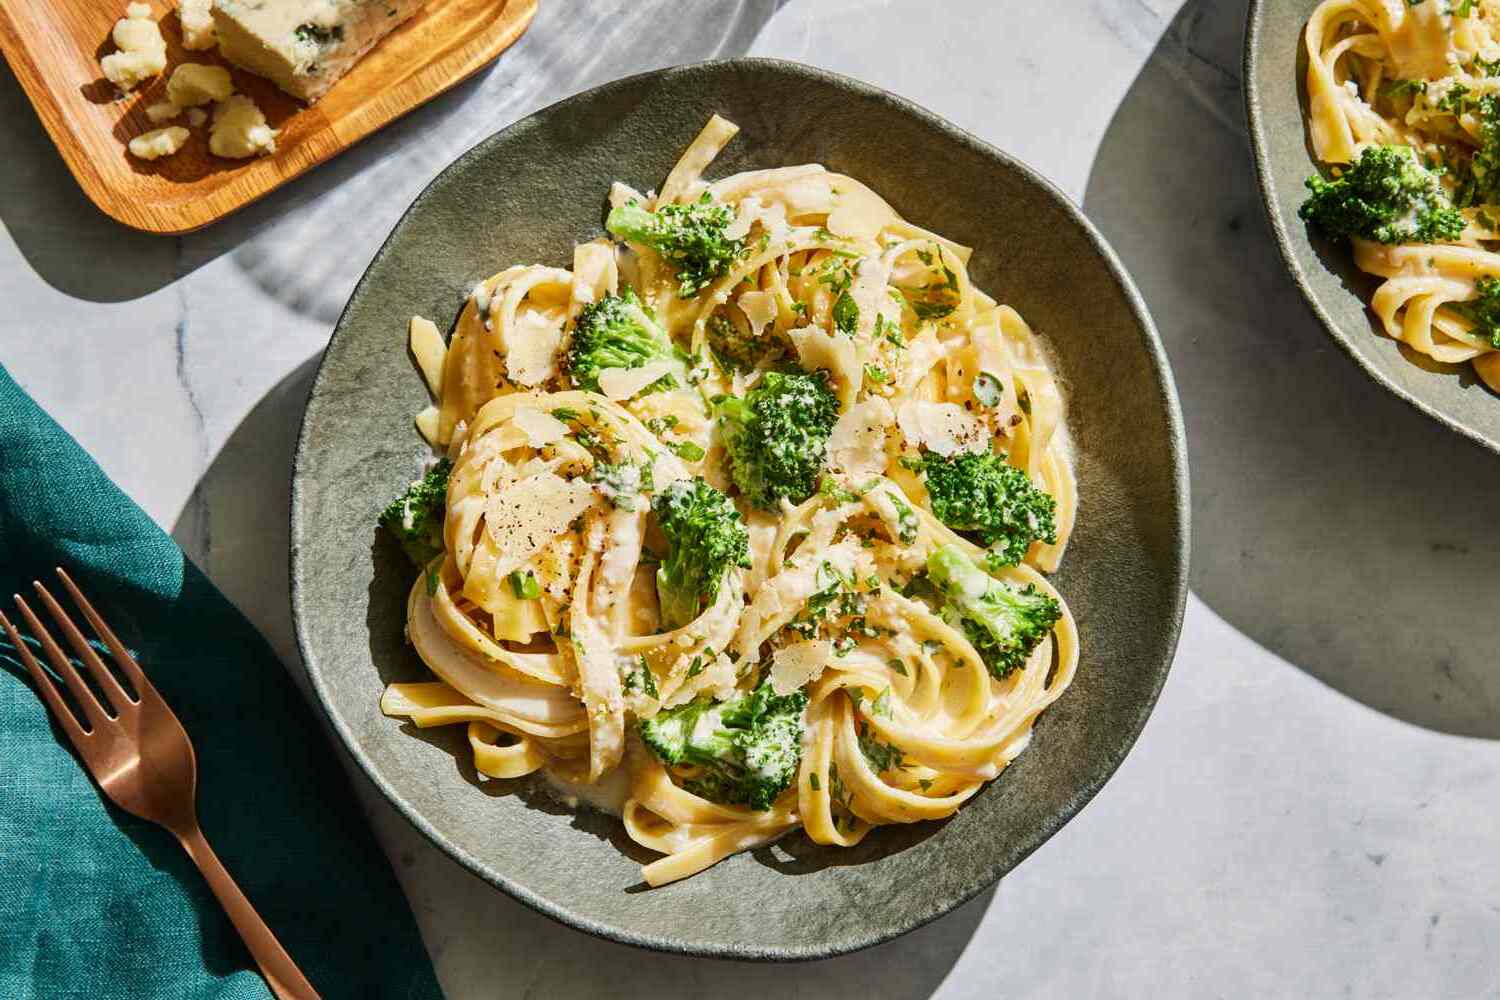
{"x": 142, "y": 758}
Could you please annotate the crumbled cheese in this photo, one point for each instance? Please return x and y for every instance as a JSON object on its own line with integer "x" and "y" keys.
{"x": 195, "y": 84}
{"x": 540, "y": 428}
{"x": 794, "y": 666}
{"x": 304, "y": 46}
{"x": 142, "y": 50}
{"x": 196, "y": 117}
{"x": 856, "y": 445}
{"x": 527, "y": 515}
{"x": 158, "y": 142}
{"x": 162, "y": 111}
{"x": 623, "y": 383}
{"x": 240, "y": 130}
{"x": 945, "y": 428}
{"x": 759, "y": 308}
{"x": 197, "y": 24}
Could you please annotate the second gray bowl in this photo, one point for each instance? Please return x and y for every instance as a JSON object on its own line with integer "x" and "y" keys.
{"x": 1337, "y": 291}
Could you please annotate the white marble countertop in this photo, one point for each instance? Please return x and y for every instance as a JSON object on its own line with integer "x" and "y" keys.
{"x": 1311, "y": 810}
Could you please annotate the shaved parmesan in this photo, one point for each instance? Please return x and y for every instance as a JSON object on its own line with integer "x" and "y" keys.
{"x": 526, "y": 516}
{"x": 857, "y": 444}
{"x": 623, "y": 194}
{"x": 945, "y": 428}
{"x": 923, "y": 351}
{"x": 667, "y": 469}
{"x": 540, "y": 428}
{"x": 759, "y": 308}
{"x": 812, "y": 196}
{"x": 794, "y": 666}
{"x": 818, "y": 349}
{"x": 857, "y": 215}
{"x": 868, "y": 291}
{"x": 623, "y": 383}
{"x": 531, "y": 347}
{"x": 750, "y": 210}
{"x": 745, "y": 213}
{"x": 428, "y": 348}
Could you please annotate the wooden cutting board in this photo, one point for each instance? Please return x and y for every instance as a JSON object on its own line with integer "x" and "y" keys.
{"x": 54, "y": 47}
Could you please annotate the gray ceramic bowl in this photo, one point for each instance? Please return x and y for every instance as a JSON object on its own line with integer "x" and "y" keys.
{"x": 1275, "y": 97}
{"x": 527, "y": 194}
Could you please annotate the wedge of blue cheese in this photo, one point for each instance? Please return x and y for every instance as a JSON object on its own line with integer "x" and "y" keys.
{"x": 304, "y": 46}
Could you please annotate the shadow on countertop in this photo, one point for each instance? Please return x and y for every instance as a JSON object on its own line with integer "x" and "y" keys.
{"x": 1332, "y": 523}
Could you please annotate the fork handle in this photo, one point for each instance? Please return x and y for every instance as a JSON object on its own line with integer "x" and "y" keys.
{"x": 281, "y": 973}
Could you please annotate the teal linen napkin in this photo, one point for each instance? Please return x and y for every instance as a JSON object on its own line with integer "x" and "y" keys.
{"x": 96, "y": 903}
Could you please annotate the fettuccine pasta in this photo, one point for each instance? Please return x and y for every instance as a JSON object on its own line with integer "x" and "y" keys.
{"x": 746, "y": 519}
{"x": 1424, "y": 75}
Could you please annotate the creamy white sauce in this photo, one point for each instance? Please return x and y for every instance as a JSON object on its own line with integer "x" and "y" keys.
{"x": 607, "y": 795}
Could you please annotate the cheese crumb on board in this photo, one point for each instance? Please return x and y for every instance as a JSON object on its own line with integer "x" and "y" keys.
{"x": 197, "y": 24}
{"x": 240, "y": 130}
{"x": 196, "y": 116}
{"x": 304, "y": 46}
{"x": 158, "y": 142}
{"x": 142, "y": 50}
{"x": 196, "y": 84}
{"x": 162, "y": 111}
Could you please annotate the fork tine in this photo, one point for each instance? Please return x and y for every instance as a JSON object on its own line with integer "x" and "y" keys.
{"x": 81, "y": 693}
{"x": 121, "y": 701}
{"x": 45, "y": 687}
{"x": 122, "y": 655}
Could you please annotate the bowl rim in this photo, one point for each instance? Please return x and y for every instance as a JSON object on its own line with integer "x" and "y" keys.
{"x": 1177, "y": 572}
{"x": 1255, "y": 113}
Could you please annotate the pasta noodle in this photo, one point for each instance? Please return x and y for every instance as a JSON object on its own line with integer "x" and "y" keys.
{"x": 1422, "y": 74}
{"x": 544, "y": 617}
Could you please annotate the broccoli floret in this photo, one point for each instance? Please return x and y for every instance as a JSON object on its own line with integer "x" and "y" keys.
{"x": 1388, "y": 196}
{"x": 1477, "y": 176}
{"x": 706, "y": 538}
{"x": 1483, "y": 311}
{"x": 415, "y": 518}
{"x": 747, "y": 749}
{"x": 618, "y": 331}
{"x": 689, "y": 237}
{"x": 985, "y": 496}
{"x": 776, "y": 436}
{"x": 1003, "y": 622}
{"x": 739, "y": 351}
